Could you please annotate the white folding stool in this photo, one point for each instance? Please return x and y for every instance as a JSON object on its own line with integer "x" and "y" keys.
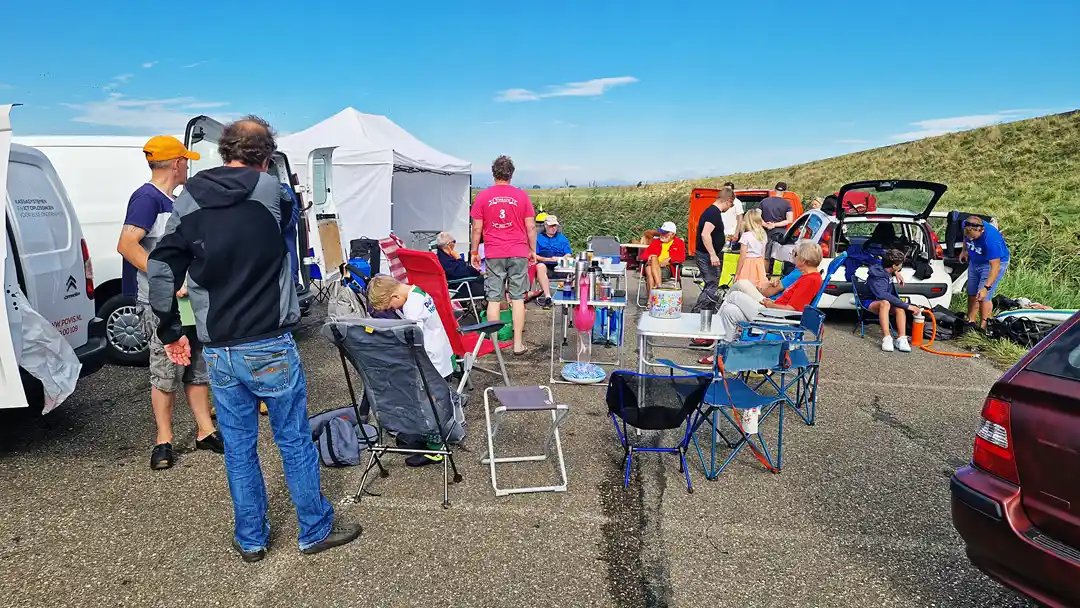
{"x": 523, "y": 399}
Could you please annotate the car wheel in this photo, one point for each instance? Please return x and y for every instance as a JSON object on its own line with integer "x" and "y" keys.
{"x": 127, "y": 345}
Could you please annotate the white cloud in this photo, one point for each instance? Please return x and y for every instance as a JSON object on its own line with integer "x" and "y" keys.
{"x": 588, "y": 88}
{"x": 194, "y": 65}
{"x": 941, "y": 126}
{"x": 149, "y": 64}
{"x": 164, "y": 115}
{"x": 5, "y": 86}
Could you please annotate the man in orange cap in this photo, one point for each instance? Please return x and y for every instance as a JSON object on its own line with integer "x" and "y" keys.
{"x": 148, "y": 211}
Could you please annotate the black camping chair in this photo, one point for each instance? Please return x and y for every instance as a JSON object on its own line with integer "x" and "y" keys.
{"x": 654, "y": 403}
{"x": 399, "y": 380}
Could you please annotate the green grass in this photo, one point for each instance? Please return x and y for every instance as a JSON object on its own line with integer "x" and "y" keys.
{"x": 1025, "y": 173}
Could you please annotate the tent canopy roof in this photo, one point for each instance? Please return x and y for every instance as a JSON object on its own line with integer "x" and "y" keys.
{"x": 355, "y": 131}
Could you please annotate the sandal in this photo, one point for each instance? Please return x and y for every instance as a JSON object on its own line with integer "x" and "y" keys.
{"x": 162, "y": 457}
{"x": 705, "y": 360}
{"x": 518, "y": 353}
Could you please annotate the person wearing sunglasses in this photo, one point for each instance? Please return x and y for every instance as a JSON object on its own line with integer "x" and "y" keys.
{"x": 987, "y": 256}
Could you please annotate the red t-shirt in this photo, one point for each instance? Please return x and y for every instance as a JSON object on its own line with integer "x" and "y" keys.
{"x": 799, "y": 295}
{"x": 502, "y": 209}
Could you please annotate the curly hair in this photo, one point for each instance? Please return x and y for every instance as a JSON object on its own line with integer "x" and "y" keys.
{"x": 250, "y": 140}
{"x": 502, "y": 169}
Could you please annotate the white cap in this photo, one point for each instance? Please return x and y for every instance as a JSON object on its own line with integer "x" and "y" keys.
{"x": 551, "y": 220}
{"x": 668, "y": 227}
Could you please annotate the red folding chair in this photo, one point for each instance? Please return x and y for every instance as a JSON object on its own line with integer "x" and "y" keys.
{"x": 470, "y": 342}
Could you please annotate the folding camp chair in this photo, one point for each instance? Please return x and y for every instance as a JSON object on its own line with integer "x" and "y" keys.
{"x": 676, "y": 275}
{"x": 404, "y": 391}
{"x": 735, "y": 393}
{"x": 522, "y": 399}
{"x": 654, "y": 403}
{"x": 470, "y": 342}
{"x": 468, "y": 297}
{"x": 802, "y": 366}
{"x": 858, "y": 289}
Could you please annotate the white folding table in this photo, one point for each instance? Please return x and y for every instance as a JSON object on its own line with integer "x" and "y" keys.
{"x": 652, "y": 330}
{"x": 563, "y": 312}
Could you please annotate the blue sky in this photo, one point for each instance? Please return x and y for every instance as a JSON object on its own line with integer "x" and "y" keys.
{"x": 576, "y": 90}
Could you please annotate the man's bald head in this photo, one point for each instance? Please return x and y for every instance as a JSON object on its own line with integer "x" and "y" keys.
{"x": 250, "y": 141}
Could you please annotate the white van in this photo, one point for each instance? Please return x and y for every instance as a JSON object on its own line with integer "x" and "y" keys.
{"x": 46, "y": 257}
{"x": 100, "y": 173}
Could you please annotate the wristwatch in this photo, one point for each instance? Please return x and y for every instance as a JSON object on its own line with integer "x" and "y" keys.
{"x": 987, "y": 287}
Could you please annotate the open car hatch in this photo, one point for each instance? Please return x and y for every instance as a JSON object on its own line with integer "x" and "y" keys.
{"x": 912, "y": 196}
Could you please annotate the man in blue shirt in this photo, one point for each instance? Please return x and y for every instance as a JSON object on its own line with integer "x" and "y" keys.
{"x": 987, "y": 256}
{"x": 551, "y": 244}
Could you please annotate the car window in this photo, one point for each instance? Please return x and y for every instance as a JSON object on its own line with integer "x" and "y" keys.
{"x": 813, "y": 224}
{"x": 38, "y": 207}
{"x": 1062, "y": 357}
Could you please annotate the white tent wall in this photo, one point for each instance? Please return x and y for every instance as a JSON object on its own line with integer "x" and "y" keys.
{"x": 431, "y": 193}
{"x": 431, "y": 201}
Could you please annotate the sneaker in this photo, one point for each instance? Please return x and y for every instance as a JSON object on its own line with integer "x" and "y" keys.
{"x": 248, "y": 556}
{"x": 340, "y": 534}
{"x": 903, "y": 345}
{"x": 545, "y": 303}
{"x": 212, "y": 442}
{"x": 422, "y": 460}
{"x": 887, "y": 344}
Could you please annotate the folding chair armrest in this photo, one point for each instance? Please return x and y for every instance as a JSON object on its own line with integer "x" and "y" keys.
{"x": 772, "y": 326}
{"x": 693, "y": 372}
{"x": 488, "y": 327}
{"x": 456, "y": 281}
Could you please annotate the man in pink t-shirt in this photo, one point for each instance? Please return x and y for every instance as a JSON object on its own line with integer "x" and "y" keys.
{"x": 505, "y": 217}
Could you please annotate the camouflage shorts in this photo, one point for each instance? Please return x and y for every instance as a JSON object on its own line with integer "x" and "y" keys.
{"x": 165, "y": 375}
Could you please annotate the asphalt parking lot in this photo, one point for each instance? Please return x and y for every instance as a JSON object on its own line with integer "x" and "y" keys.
{"x": 858, "y": 517}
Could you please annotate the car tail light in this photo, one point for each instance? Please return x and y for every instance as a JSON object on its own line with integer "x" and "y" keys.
{"x": 993, "y": 441}
{"x": 88, "y": 270}
{"x": 939, "y": 253}
{"x": 826, "y": 243}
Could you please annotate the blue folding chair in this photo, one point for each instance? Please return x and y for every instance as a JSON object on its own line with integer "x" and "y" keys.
{"x": 802, "y": 366}
{"x": 655, "y": 403}
{"x": 858, "y": 288}
{"x": 735, "y": 393}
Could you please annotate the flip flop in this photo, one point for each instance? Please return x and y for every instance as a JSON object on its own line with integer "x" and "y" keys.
{"x": 705, "y": 360}
{"x": 518, "y": 353}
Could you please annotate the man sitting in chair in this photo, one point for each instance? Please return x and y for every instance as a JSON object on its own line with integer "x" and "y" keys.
{"x": 457, "y": 269}
{"x": 551, "y": 245}
{"x": 665, "y": 251}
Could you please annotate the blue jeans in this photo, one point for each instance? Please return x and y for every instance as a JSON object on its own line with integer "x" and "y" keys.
{"x": 240, "y": 376}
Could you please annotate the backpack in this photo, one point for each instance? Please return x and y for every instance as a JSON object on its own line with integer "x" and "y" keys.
{"x": 339, "y": 439}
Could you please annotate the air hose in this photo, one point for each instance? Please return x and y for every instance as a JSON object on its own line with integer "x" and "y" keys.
{"x": 917, "y": 334}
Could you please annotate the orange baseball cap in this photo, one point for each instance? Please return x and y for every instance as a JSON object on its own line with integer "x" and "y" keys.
{"x": 167, "y": 147}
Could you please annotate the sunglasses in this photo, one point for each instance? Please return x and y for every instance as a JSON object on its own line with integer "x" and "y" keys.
{"x": 978, "y": 226}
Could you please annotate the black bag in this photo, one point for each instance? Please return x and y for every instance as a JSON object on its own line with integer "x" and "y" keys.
{"x": 367, "y": 249}
{"x": 949, "y": 324}
{"x": 1021, "y": 330}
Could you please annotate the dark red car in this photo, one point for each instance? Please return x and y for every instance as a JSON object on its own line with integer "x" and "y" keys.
{"x": 1017, "y": 506}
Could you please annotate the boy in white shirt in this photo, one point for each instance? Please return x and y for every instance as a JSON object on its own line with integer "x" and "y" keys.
{"x": 414, "y": 304}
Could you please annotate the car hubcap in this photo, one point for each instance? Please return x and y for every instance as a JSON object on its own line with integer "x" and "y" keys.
{"x": 124, "y": 329}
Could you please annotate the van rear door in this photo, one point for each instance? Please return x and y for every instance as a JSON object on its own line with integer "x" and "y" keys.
{"x": 11, "y": 388}
{"x": 49, "y": 244}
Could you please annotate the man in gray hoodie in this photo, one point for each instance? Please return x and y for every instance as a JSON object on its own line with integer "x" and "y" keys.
{"x": 226, "y": 235}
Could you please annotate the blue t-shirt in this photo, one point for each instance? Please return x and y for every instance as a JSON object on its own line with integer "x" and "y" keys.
{"x": 149, "y": 209}
{"x": 989, "y": 246}
{"x": 552, "y": 246}
{"x": 787, "y": 281}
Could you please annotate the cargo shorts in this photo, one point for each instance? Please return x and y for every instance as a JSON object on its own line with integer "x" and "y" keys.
{"x": 165, "y": 375}
{"x": 506, "y": 274}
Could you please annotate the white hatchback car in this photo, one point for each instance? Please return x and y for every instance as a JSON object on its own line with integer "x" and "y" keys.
{"x": 878, "y": 215}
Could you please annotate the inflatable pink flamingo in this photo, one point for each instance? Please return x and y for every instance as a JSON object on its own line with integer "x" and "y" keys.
{"x": 584, "y": 317}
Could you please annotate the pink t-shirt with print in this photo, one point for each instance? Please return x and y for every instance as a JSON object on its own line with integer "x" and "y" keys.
{"x": 502, "y": 209}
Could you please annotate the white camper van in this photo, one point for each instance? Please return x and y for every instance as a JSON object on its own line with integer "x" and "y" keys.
{"x": 100, "y": 173}
{"x": 46, "y": 258}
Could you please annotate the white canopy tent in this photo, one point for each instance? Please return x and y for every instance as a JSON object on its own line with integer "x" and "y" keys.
{"x": 382, "y": 178}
